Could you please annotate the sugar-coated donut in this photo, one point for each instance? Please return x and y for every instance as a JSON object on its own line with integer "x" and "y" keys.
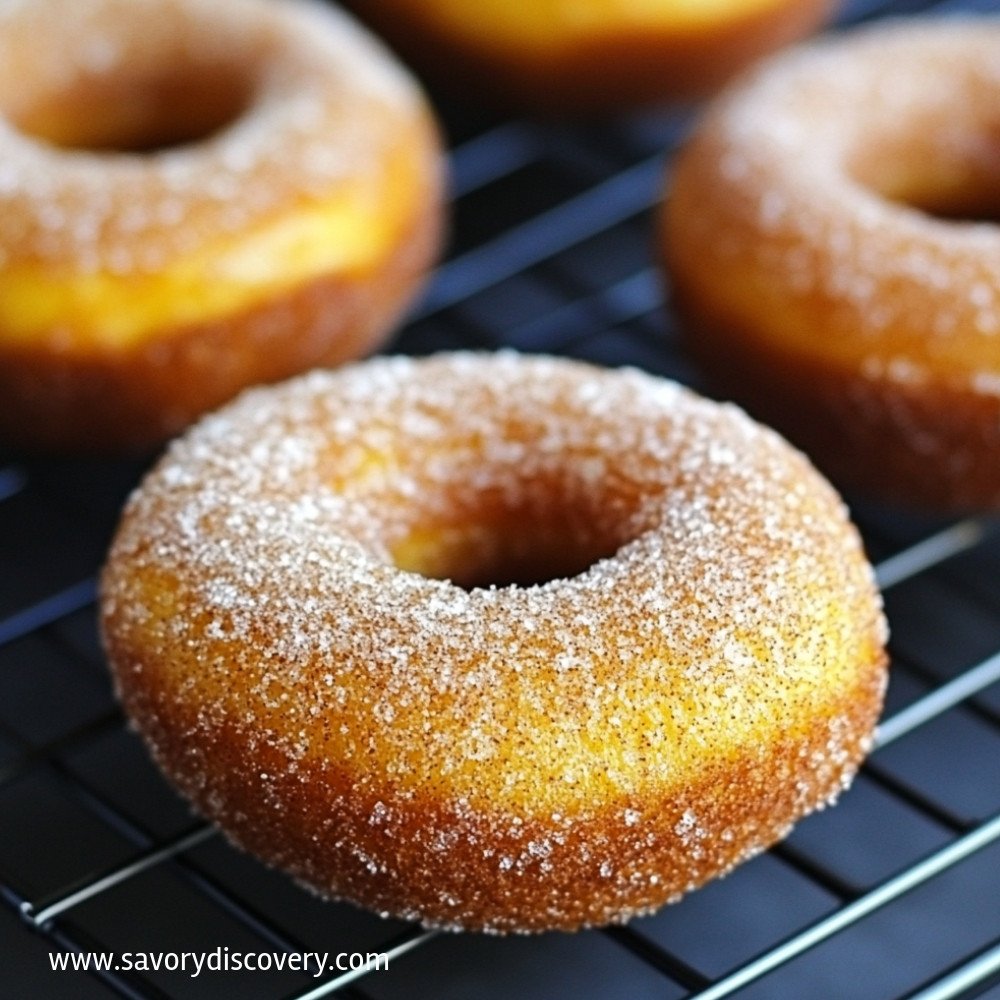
{"x": 298, "y": 611}
{"x": 196, "y": 195}
{"x": 827, "y": 263}
{"x": 590, "y": 55}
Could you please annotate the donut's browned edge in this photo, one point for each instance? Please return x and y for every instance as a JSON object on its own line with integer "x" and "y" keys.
{"x": 316, "y": 824}
{"x": 932, "y": 445}
{"x": 623, "y": 68}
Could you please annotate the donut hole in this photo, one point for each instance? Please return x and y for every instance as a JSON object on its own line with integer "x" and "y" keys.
{"x": 951, "y": 175}
{"x": 139, "y": 112}
{"x": 498, "y": 543}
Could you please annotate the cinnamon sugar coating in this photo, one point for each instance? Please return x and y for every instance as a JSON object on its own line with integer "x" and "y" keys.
{"x": 195, "y": 196}
{"x": 299, "y": 614}
{"x": 833, "y": 252}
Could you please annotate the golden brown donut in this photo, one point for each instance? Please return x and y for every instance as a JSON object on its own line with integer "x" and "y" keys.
{"x": 300, "y": 614}
{"x": 196, "y": 195}
{"x": 826, "y": 259}
{"x": 589, "y": 55}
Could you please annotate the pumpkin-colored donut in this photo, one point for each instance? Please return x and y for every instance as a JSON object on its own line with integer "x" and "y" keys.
{"x": 682, "y": 653}
{"x": 833, "y": 262}
{"x": 588, "y": 55}
{"x": 195, "y": 196}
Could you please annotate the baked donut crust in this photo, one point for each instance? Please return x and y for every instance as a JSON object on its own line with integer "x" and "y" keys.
{"x": 827, "y": 265}
{"x": 297, "y": 612}
{"x": 590, "y": 56}
{"x": 195, "y": 197}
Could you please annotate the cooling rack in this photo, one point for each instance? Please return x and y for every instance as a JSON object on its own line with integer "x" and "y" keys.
{"x": 893, "y": 894}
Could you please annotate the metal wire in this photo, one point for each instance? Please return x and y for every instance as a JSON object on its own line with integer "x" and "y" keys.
{"x": 619, "y": 198}
{"x": 42, "y": 912}
{"x": 908, "y": 880}
{"x": 979, "y": 972}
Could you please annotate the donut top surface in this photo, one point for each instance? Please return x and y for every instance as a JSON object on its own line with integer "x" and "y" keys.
{"x": 285, "y": 568}
{"x": 867, "y": 163}
{"x": 186, "y": 146}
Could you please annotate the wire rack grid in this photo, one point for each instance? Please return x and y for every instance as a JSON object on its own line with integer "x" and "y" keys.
{"x": 893, "y": 894}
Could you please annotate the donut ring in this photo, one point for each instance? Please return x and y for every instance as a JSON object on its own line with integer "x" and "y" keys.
{"x": 703, "y": 665}
{"x": 589, "y": 55}
{"x": 825, "y": 273}
{"x": 196, "y": 195}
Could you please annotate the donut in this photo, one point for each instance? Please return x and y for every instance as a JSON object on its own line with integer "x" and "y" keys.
{"x": 195, "y": 196}
{"x": 591, "y": 55}
{"x": 493, "y": 642}
{"x": 834, "y": 263}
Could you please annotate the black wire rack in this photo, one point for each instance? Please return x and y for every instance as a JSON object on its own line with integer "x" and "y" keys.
{"x": 895, "y": 893}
